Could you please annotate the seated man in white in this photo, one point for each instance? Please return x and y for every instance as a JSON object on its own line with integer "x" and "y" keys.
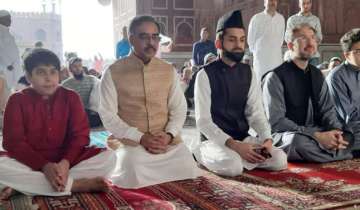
{"x": 142, "y": 105}
{"x": 227, "y": 102}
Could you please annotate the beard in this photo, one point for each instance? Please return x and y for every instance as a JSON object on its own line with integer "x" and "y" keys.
{"x": 79, "y": 76}
{"x": 304, "y": 57}
{"x": 307, "y": 53}
{"x": 234, "y": 56}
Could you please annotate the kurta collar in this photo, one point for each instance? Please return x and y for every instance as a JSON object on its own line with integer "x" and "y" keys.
{"x": 137, "y": 60}
{"x": 224, "y": 66}
{"x": 295, "y": 67}
{"x": 37, "y": 96}
{"x": 269, "y": 14}
{"x": 352, "y": 67}
{"x": 302, "y": 14}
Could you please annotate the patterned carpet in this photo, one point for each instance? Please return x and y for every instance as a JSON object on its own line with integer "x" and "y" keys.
{"x": 301, "y": 186}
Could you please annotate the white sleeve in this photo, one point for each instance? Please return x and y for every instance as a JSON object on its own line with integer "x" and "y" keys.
{"x": 108, "y": 110}
{"x": 3, "y": 64}
{"x": 94, "y": 100}
{"x": 177, "y": 107}
{"x": 282, "y": 32}
{"x": 289, "y": 27}
{"x": 254, "y": 111}
{"x": 204, "y": 122}
{"x": 252, "y": 35}
{"x": 318, "y": 30}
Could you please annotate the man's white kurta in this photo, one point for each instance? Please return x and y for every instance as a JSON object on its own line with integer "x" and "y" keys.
{"x": 138, "y": 168}
{"x": 265, "y": 39}
{"x": 9, "y": 55}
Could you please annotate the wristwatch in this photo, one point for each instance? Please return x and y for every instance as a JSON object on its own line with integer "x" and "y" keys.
{"x": 171, "y": 136}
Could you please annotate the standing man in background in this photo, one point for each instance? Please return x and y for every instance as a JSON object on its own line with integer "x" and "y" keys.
{"x": 9, "y": 53}
{"x": 123, "y": 46}
{"x": 202, "y": 47}
{"x": 265, "y": 38}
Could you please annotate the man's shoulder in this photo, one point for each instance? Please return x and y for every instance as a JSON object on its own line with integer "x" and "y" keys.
{"x": 19, "y": 95}
{"x": 315, "y": 17}
{"x": 122, "y": 42}
{"x": 67, "y": 94}
{"x": 293, "y": 17}
{"x": 90, "y": 78}
{"x": 68, "y": 81}
{"x": 257, "y": 16}
{"x": 119, "y": 64}
{"x": 212, "y": 66}
{"x": 159, "y": 61}
{"x": 197, "y": 43}
{"x": 284, "y": 66}
{"x": 338, "y": 71}
{"x": 279, "y": 15}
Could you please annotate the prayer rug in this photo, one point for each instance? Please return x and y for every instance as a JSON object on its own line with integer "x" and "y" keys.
{"x": 301, "y": 186}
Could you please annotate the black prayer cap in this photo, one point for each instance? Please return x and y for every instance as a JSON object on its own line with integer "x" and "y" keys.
{"x": 231, "y": 19}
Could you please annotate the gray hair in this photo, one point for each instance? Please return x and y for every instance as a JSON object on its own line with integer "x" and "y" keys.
{"x": 138, "y": 20}
{"x": 297, "y": 28}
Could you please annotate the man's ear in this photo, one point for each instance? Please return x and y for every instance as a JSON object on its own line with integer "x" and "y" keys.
{"x": 131, "y": 39}
{"x": 218, "y": 44}
{"x": 290, "y": 46}
{"x": 346, "y": 55}
{"x": 28, "y": 77}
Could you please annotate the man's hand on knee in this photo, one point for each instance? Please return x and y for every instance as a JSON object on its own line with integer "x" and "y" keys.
{"x": 246, "y": 150}
{"x": 153, "y": 144}
{"x": 331, "y": 139}
{"x": 63, "y": 171}
{"x": 50, "y": 171}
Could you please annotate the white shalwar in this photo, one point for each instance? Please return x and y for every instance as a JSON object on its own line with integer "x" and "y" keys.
{"x": 23, "y": 179}
{"x": 213, "y": 153}
{"x": 265, "y": 39}
{"x": 138, "y": 168}
{"x": 9, "y": 55}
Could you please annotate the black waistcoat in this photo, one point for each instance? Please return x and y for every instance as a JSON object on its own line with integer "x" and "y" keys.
{"x": 229, "y": 91}
{"x": 299, "y": 87}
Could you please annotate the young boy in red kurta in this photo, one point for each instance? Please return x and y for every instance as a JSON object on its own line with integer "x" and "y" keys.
{"x": 46, "y": 136}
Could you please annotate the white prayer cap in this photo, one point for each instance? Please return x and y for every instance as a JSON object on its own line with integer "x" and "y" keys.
{"x": 4, "y": 13}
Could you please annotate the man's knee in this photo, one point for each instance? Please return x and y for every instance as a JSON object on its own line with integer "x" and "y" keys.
{"x": 111, "y": 161}
{"x": 130, "y": 155}
{"x": 303, "y": 144}
{"x": 229, "y": 168}
{"x": 279, "y": 160}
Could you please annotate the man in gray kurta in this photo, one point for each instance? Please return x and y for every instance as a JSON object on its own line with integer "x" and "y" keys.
{"x": 344, "y": 84}
{"x": 299, "y": 107}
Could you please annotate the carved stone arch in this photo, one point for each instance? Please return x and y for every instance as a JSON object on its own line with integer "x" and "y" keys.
{"x": 184, "y": 33}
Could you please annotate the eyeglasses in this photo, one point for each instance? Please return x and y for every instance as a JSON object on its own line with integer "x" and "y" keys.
{"x": 356, "y": 51}
{"x": 306, "y": 39}
{"x": 148, "y": 37}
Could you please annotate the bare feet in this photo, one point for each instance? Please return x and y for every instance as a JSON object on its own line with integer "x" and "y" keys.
{"x": 97, "y": 184}
{"x": 6, "y": 193}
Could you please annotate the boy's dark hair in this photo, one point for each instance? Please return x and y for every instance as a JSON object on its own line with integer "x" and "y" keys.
{"x": 138, "y": 20}
{"x": 40, "y": 56}
{"x": 349, "y": 39}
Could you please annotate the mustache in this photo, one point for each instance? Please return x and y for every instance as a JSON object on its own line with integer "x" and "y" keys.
{"x": 237, "y": 49}
{"x": 310, "y": 47}
{"x": 150, "y": 47}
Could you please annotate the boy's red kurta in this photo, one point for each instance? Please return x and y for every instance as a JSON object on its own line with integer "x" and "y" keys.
{"x": 37, "y": 131}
